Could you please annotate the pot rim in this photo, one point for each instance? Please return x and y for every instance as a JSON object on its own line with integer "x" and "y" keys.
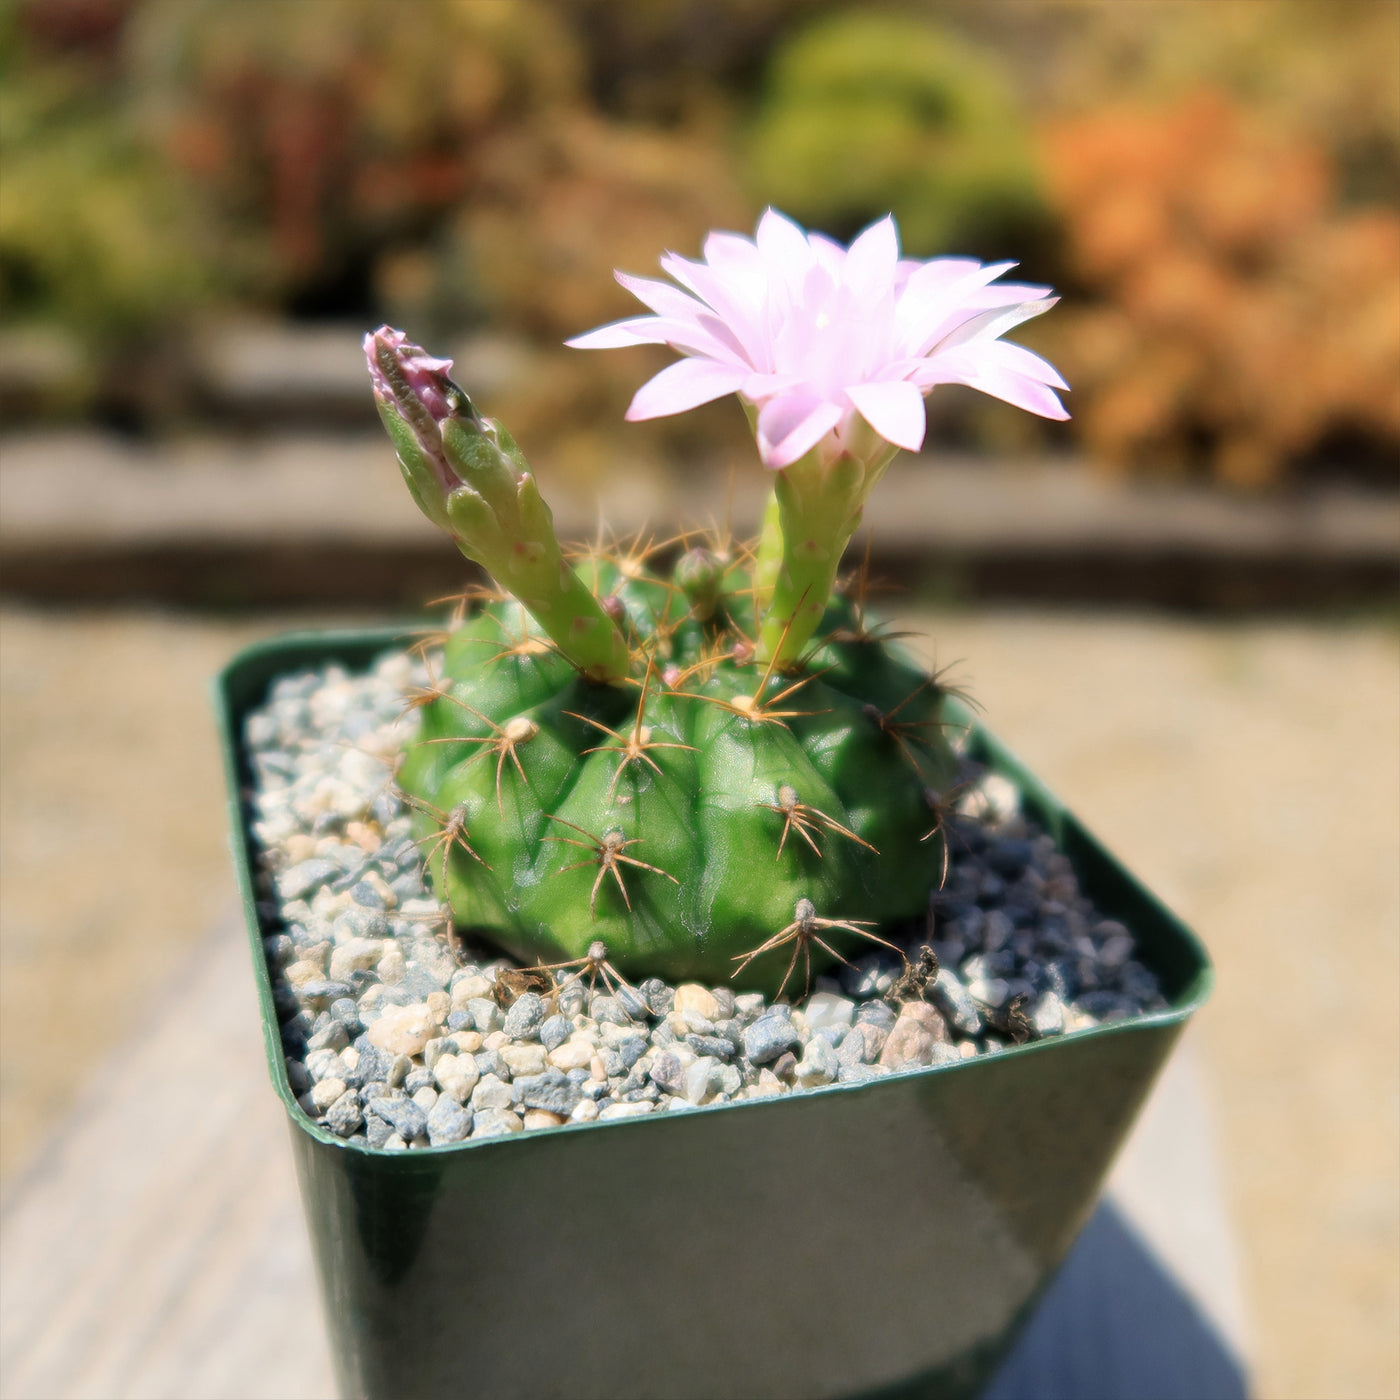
{"x": 242, "y": 683}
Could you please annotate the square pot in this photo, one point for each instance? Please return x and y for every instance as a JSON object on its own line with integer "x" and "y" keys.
{"x": 880, "y": 1239}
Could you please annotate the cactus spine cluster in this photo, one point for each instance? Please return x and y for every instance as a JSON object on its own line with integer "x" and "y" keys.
{"x": 708, "y": 768}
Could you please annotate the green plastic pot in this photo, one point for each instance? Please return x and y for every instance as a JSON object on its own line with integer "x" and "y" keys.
{"x": 879, "y": 1239}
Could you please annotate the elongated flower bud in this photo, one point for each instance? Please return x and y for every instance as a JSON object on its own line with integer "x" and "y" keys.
{"x": 469, "y": 478}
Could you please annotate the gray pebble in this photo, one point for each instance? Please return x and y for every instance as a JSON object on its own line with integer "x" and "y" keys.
{"x": 495, "y": 1122}
{"x": 299, "y": 880}
{"x": 367, "y": 896}
{"x": 526, "y": 1016}
{"x": 448, "y": 1122}
{"x": 407, "y": 1118}
{"x": 861, "y": 1045}
{"x": 345, "y": 1117}
{"x": 555, "y": 1031}
{"x": 551, "y": 1091}
{"x": 860, "y": 1073}
{"x": 660, "y": 998}
{"x": 668, "y": 1072}
{"x": 876, "y": 1013}
{"x": 486, "y": 1015}
{"x": 378, "y": 1130}
{"x": 320, "y": 989}
{"x": 952, "y": 999}
{"x": 712, "y": 1045}
{"x": 331, "y": 1037}
{"x": 768, "y": 1037}
{"x": 608, "y": 1010}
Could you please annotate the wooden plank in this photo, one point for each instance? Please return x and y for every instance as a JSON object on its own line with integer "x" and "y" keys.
{"x": 152, "y": 1253}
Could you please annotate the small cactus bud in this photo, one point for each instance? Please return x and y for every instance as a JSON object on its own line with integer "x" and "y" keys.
{"x": 469, "y": 478}
{"x": 698, "y": 574}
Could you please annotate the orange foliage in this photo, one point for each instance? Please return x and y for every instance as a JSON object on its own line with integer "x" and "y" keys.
{"x": 1237, "y": 318}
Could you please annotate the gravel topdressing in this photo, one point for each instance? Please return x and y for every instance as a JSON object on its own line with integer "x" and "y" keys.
{"x": 399, "y": 1032}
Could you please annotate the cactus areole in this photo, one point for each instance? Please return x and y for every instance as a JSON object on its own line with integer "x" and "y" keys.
{"x": 719, "y": 766}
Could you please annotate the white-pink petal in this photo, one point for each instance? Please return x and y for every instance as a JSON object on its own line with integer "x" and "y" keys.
{"x": 988, "y": 325}
{"x": 1022, "y": 361}
{"x": 872, "y": 260}
{"x": 789, "y": 428}
{"x": 683, "y": 385}
{"x": 894, "y": 409}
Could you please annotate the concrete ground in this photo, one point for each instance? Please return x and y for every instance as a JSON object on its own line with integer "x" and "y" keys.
{"x": 1248, "y": 772}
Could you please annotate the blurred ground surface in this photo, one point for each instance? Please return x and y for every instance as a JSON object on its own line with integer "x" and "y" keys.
{"x": 1246, "y": 771}
{"x": 322, "y": 518}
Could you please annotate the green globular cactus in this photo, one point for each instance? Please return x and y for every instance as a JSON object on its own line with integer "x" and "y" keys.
{"x": 658, "y": 780}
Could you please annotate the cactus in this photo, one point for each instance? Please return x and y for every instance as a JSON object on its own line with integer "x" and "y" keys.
{"x": 711, "y": 769}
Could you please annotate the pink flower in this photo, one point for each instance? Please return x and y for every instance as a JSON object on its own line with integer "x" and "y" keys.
{"x": 816, "y": 335}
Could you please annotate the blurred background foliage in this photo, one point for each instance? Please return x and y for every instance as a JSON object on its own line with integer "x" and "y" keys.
{"x": 1215, "y": 187}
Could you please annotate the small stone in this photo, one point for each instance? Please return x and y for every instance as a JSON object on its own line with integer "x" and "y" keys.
{"x": 416, "y": 1078}
{"x": 468, "y": 985}
{"x": 660, "y": 998}
{"x": 403, "y": 1030}
{"x": 542, "y": 1118}
{"x": 468, "y": 1042}
{"x": 356, "y": 955}
{"x": 448, "y": 1122}
{"x": 331, "y": 1037}
{"x": 326, "y": 1064}
{"x": 860, "y": 1073}
{"x": 724, "y": 1002}
{"x": 425, "y": 1097}
{"x": 377, "y": 1130}
{"x": 495, "y": 1122}
{"x": 437, "y": 1005}
{"x": 990, "y": 991}
{"x": 606, "y": 1008}
{"x": 490, "y": 1062}
{"x": 524, "y": 1059}
{"x": 1048, "y": 1018}
{"x": 876, "y": 1013}
{"x": 325, "y": 1092}
{"x": 862, "y": 1044}
{"x": 486, "y": 1015}
{"x": 367, "y": 896}
{"x": 400, "y": 1067}
{"x": 585, "y": 1111}
{"x": 345, "y": 1117}
{"x": 769, "y": 1036}
{"x": 668, "y": 1072}
{"x": 826, "y": 1009}
{"x": 303, "y": 971}
{"x": 299, "y": 880}
{"x": 715, "y": 1046}
{"x": 555, "y": 1031}
{"x": 818, "y": 1064}
{"x": 693, "y": 999}
{"x": 497, "y": 1040}
{"x": 785, "y": 1066}
{"x": 549, "y": 1091}
{"x": 912, "y": 1040}
{"x": 748, "y": 1006}
{"x": 526, "y": 1016}
{"x": 456, "y": 1076}
{"x": 391, "y": 967}
{"x": 491, "y": 1092}
{"x": 575, "y": 1054}
{"x": 695, "y": 1083}
{"x": 626, "y": 1110}
{"x": 952, "y": 999}
{"x": 407, "y": 1119}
